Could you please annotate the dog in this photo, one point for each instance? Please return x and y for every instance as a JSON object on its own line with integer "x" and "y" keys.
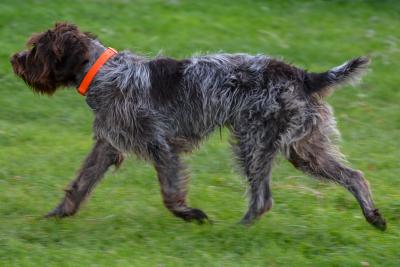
{"x": 160, "y": 108}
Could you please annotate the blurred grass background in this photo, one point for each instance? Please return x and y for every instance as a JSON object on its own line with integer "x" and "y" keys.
{"x": 43, "y": 141}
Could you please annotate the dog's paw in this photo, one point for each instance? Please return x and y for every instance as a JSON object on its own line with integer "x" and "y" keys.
{"x": 377, "y": 220}
{"x": 191, "y": 214}
{"x": 251, "y": 217}
{"x": 247, "y": 220}
{"x": 58, "y": 212}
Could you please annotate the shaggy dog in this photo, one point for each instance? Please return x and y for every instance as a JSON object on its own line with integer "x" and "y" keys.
{"x": 159, "y": 108}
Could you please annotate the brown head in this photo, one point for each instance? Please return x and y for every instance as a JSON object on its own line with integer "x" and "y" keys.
{"x": 53, "y": 59}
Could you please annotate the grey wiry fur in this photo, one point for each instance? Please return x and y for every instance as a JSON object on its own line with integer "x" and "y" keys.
{"x": 159, "y": 108}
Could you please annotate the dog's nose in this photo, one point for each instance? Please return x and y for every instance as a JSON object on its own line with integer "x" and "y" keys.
{"x": 17, "y": 56}
{"x": 13, "y": 58}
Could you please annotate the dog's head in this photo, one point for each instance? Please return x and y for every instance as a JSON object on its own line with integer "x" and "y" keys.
{"x": 53, "y": 58}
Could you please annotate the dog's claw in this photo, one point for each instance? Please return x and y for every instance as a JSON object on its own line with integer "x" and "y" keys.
{"x": 377, "y": 220}
{"x": 197, "y": 215}
{"x": 54, "y": 213}
{"x": 58, "y": 212}
{"x": 245, "y": 222}
{"x": 248, "y": 219}
{"x": 193, "y": 215}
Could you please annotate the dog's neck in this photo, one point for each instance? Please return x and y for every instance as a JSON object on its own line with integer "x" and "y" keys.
{"x": 95, "y": 50}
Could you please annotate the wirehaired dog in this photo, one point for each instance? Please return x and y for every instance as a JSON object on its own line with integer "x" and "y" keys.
{"x": 159, "y": 108}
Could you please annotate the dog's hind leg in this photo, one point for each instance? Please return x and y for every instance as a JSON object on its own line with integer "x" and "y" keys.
{"x": 173, "y": 181}
{"x": 255, "y": 151}
{"x": 318, "y": 159}
{"x": 102, "y": 156}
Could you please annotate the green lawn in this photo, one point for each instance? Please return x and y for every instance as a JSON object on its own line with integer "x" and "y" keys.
{"x": 43, "y": 140}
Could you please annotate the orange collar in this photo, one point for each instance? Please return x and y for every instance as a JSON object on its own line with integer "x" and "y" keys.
{"x": 106, "y": 55}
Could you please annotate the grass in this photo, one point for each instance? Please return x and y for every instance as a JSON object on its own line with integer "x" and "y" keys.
{"x": 43, "y": 140}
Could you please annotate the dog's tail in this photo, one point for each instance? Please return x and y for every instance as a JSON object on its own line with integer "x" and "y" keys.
{"x": 324, "y": 83}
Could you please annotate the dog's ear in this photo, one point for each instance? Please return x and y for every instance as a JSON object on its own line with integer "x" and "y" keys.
{"x": 65, "y": 37}
{"x": 70, "y": 48}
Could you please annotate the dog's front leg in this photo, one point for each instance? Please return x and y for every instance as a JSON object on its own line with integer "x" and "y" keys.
{"x": 102, "y": 156}
{"x": 173, "y": 179}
